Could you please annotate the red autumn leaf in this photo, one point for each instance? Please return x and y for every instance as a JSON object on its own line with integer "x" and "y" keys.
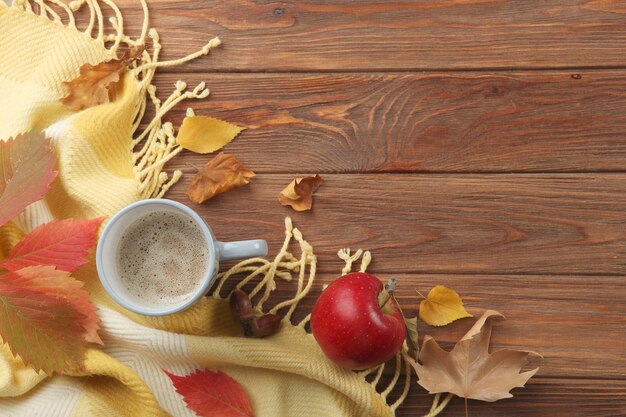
{"x": 46, "y": 318}
{"x": 26, "y": 172}
{"x": 212, "y": 394}
{"x": 61, "y": 243}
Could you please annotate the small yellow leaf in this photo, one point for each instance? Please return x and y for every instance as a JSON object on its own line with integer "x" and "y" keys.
{"x": 442, "y": 306}
{"x": 202, "y": 134}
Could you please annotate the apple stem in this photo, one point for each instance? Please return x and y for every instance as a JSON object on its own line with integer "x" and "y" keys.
{"x": 386, "y": 294}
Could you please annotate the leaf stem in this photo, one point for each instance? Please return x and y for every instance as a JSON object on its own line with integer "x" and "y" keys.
{"x": 466, "y": 414}
{"x": 387, "y": 293}
{"x": 421, "y": 295}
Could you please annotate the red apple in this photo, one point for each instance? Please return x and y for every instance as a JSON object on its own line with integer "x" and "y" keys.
{"x": 355, "y": 324}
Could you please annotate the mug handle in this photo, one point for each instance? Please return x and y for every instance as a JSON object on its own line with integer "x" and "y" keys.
{"x": 242, "y": 249}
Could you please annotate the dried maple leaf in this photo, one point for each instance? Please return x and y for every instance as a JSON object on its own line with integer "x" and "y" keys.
{"x": 202, "y": 134}
{"x": 442, "y": 306}
{"x": 46, "y": 317}
{"x": 220, "y": 174}
{"x": 212, "y": 394}
{"x": 299, "y": 193}
{"x": 96, "y": 82}
{"x": 26, "y": 173}
{"x": 469, "y": 370}
{"x": 60, "y": 243}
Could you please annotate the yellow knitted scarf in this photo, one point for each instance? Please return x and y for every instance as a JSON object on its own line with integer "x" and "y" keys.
{"x": 105, "y": 161}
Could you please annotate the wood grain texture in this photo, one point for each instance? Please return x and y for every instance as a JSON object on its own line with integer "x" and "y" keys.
{"x": 541, "y": 398}
{"x": 531, "y": 223}
{"x": 295, "y": 35}
{"x": 545, "y": 248}
{"x": 451, "y": 122}
{"x": 572, "y": 321}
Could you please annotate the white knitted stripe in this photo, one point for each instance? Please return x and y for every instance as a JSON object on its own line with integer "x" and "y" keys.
{"x": 45, "y": 400}
{"x": 148, "y": 351}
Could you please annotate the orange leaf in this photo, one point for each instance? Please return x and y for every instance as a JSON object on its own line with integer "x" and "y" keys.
{"x": 26, "y": 172}
{"x": 61, "y": 243}
{"x": 96, "y": 82}
{"x": 299, "y": 193}
{"x": 46, "y": 318}
{"x": 212, "y": 394}
{"x": 220, "y": 174}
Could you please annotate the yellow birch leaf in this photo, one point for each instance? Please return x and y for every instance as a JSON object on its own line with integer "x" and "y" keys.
{"x": 203, "y": 134}
{"x": 442, "y": 306}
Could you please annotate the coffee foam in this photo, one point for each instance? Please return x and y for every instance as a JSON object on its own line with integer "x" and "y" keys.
{"x": 162, "y": 258}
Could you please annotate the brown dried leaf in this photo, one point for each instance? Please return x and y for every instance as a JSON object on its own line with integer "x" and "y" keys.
{"x": 220, "y": 174}
{"x": 299, "y": 193}
{"x": 469, "y": 370}
{"x": 94, "y": 84}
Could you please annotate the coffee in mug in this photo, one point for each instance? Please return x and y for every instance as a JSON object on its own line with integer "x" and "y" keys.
{"x": 162, "y": 258}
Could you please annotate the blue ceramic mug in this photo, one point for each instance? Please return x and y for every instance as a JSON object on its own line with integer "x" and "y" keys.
{"x": 106, "y": 255}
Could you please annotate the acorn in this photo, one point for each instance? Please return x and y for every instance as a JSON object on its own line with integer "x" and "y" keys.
{"x": 262, "y": 326}
{"x": 241, "y": 306}
{"x": 266, "y": 325}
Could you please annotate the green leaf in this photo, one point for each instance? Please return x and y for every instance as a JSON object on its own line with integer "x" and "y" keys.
{"x": 412, "y": 336}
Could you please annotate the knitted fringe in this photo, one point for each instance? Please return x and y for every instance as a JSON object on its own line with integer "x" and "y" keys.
{"x": 282, "y": 267}
{"x": 155, "y": 145}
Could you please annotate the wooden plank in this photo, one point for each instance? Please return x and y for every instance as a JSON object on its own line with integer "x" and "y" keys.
{"x": 572, "y": 321}
{"x": 445, "y": 122}
{"x": 541, "y": 398}
{"x": 326, "y": 35}
{"x": 530, "y": 223}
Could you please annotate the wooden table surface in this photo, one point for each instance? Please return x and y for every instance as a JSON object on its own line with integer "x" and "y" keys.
{"x": 479, "y": 144}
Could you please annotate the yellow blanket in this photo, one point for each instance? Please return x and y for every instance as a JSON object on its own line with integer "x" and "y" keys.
{"x": 106, "y": 162}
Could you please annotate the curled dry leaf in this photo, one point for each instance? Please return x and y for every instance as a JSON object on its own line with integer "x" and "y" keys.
{"x": 469, "y": 370}
{"x": 96, "y": 82}
{"x": 202, "y": 134}
{"x": 299, "y": 193}
{"x": 220, "y": 174}
{"x": 442, "y": 306}
{"x": 212, "y": 394}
